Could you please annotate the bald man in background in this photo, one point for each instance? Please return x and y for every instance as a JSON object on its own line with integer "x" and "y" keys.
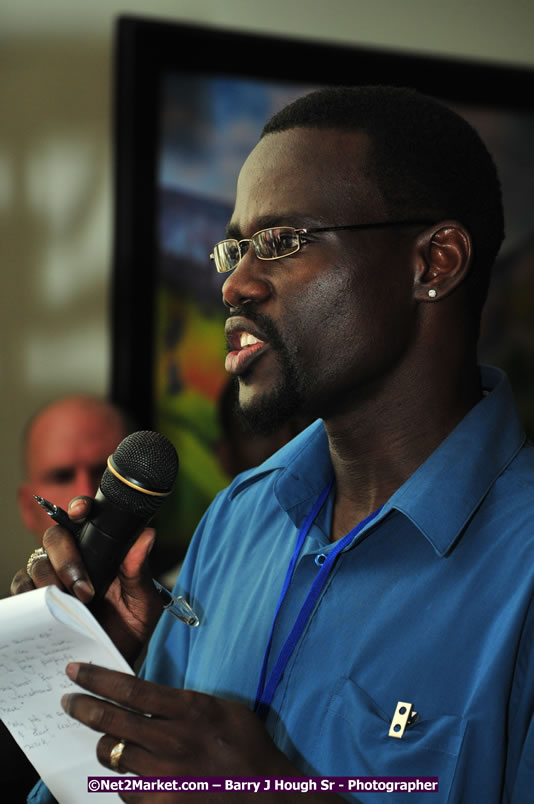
{"x": 66, "y": 445}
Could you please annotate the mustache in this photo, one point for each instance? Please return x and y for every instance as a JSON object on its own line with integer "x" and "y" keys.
{"x": 264, "y": 322}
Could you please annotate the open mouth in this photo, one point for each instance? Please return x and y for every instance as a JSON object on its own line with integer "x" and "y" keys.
{"x": 244, "y": 345}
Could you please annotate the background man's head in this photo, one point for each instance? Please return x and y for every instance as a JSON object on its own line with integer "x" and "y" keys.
{"x": 65, "y": 449}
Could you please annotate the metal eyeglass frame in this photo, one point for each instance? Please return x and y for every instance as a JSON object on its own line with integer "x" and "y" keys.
{"x": 299, "y": 232}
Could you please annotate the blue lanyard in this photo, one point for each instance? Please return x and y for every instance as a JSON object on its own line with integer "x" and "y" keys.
{"x": 267, "y": 687}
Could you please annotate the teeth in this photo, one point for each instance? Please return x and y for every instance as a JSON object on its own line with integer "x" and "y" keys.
{"x": 247, "y": 339}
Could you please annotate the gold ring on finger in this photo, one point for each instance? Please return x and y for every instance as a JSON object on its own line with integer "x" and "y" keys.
{"x": 35, "y": 556}
{"x": 116, "y": 754}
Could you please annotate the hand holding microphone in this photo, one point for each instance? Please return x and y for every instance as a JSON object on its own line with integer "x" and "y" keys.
{"x": 140, "y": 475}
{"x": 177, "y": 606}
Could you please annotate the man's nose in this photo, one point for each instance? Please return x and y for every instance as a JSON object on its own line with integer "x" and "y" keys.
{"x": 247, "y": 282}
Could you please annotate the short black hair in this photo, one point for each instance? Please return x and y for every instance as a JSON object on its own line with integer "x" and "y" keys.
{"x": 428, "y": 161}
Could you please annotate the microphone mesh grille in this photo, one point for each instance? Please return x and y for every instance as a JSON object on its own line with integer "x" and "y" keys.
{"x": 149, "y": 459}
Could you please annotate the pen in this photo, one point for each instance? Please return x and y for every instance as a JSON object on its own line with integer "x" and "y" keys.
{"x": 177, "y": 606}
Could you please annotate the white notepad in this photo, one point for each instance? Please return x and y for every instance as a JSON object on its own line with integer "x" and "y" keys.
{"x": 40, "y": 633}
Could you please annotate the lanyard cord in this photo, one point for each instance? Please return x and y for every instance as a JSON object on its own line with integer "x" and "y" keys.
{"x": 267, "y": 688}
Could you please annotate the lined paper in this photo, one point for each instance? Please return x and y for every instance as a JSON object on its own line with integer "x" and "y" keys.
{"x": 40, "y": 633}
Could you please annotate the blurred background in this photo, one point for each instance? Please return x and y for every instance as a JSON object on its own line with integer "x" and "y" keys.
{"x": 55, "y": 171}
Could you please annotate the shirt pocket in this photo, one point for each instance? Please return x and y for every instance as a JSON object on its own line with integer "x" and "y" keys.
{"x": 354, "y": 741}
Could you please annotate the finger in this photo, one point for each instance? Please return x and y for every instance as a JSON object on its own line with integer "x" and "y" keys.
{"x": 42, "y": 573}
{"x": 136, "y": 587}
{"x": 134, "y": 565}
{"x": 64, "y": 565}
{"x": 101, "y": 715}
{"x": 143, "y": 696}
{"x": 21, "y": 583}
{"x": 158, "y": 750}
{"x": 134, "y": 758}
{"x": 79, "y": 508}
{"x": 121, "y": 688}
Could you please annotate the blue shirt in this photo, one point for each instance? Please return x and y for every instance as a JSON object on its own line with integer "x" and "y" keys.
{"x": 430, "y": 604}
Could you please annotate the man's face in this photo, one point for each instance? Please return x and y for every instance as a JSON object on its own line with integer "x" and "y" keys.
{"x": 66, "y": 455}
{"x": 331, "y": 321}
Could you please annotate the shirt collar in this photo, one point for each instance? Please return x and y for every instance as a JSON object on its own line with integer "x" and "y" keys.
{"x": 442, "y": 494}
{"x": 303, "y": 469}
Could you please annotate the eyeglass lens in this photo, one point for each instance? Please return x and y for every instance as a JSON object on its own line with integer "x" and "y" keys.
{"x": 269, "y": 244}
{"x": 227, "y": 254}
{"x": 272, "y": 243}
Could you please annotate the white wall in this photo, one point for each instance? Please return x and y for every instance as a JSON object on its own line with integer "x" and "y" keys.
{"x": 55, "y": 185}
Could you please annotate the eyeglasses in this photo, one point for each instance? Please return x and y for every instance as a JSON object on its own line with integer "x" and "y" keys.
{"x": 283, "y": 241}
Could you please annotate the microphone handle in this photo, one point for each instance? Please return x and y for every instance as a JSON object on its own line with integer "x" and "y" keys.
{"x": 104, "y": 540}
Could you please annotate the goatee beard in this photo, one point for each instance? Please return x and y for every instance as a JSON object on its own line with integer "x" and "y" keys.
{"x": 275, "y": 408}
{"x": 272, "y": 410}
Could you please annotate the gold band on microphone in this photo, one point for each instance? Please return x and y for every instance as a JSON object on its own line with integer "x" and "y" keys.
{"x": 132, "y": 485}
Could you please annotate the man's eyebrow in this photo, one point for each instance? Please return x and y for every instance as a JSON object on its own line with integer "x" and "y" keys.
{"x": 295, "y": 219}
{"x": 233, "y": 231}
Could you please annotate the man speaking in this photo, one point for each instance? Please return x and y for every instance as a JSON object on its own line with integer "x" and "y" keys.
{"x": 365, "y": 595}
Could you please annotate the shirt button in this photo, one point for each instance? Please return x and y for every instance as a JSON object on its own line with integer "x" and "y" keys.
{"x": 320, "y": 559}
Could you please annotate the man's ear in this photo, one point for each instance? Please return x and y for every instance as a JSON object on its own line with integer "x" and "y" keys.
{"x": 444, "y": 257}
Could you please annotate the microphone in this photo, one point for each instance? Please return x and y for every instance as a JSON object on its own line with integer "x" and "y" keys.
{"x": 140, "y": 474}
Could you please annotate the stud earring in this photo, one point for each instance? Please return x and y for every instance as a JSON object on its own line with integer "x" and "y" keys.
{"x": 432, "y": 293}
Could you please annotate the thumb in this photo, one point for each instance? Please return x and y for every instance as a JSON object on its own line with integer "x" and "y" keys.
{"x": 134, "y": 567}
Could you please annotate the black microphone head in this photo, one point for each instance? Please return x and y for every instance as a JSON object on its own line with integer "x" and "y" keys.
{"x": 141, "y": 473}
